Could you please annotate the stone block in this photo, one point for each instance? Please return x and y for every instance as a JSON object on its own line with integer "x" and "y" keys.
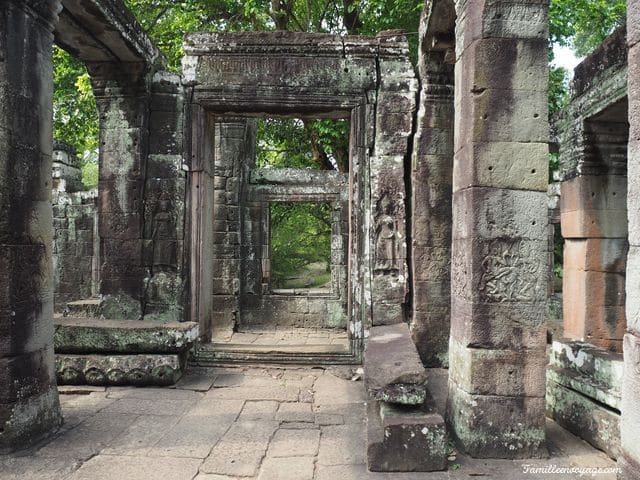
{"x": 596, "y": 254}
{"x": 518, "y": 20}
{"x": 26, "y": 375}
{"x": 500, "y": 270}
{"x": 92, "y": 335}
{"x": 598, "y": 372}
{"x": 384, "y": 313}
{"x": 430, "y": 332}
{"x": 633, "y": 25}
{"x": 584, "y": 417}
{"x": 497, "y": 115}
{"x": 489, "y": 426}
{"x": 405, "y": 439}
{"x": 492, "y": 214}
{"x": 480, "y": 371}
{"x": 594, "y": 206}
{"x": 630, "y": 424}
{"x": 119, "y": 369}
{"x": 632, "y": 310}
{"x": 498, "y": 325}
{"x": 502, "y": 164}
{"x": 393, "y": 369}
{"x": 505, "y": 63}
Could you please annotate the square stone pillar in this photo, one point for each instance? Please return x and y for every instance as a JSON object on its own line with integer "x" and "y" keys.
{"x": 123, "y": 106}
{"x": 496, "y": 405}
{"x": 29, "y": 406}
{"x": 431, "y": 183}
{"x": 630, "y": 421}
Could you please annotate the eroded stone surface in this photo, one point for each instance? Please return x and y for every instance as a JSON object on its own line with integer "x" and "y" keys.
{"x": 393, "y": 369}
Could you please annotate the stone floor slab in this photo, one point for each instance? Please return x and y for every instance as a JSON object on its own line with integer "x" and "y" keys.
{"x": 111, "y": 467}
{"x": 291, "y": 468}
{"x": 295, "y": 412}
{"x": 340, "y": 445}
{"x": 331, "y": 390}
{"x": 241, "y": 449}
{"x": 259, "y": 410}
{"x": 294, "y": 443}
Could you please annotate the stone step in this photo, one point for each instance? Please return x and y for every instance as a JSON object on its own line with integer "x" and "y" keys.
{"x": 94, "y": 336}
{"x": 403, "y": 438}
{"x": 602, "y": 367}
{"x": 104, "y": 370}
{"x": 585, "y": 385}
{"x": 393, "y": 371}
{"x": 585, "y": 418}
{"x": 88, "y": 307}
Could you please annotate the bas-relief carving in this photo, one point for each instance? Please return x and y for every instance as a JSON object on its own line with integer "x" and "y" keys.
{"x": 387, "y": 234}
{"x": 509, "y": 273}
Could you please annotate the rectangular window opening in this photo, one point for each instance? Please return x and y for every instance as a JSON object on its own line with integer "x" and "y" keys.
{"x": 300, "y": 246}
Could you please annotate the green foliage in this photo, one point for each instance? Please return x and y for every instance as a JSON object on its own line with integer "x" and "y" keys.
{"x": 296, "y": 143}
{"x": 300, "y": 236}
{"x": 75, "y": 118}
{"x": 583, "y": 24}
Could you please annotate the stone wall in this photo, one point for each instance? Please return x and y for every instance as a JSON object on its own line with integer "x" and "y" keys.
{"x": 592, "y": 134}
{"x": 75, "y": 242}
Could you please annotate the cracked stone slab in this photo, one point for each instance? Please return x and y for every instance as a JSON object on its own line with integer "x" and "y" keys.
{"x": 393, "y": 370}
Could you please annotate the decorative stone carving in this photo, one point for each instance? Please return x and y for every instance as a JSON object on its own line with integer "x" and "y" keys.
{"x": 387, "y": 254}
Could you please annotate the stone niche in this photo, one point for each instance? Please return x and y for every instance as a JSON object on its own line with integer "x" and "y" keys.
{"x": 233, "y": 76}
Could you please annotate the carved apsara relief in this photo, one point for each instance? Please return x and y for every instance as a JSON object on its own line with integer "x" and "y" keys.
{"x": 388, "y": 239}
{"x": 510, "y": 272}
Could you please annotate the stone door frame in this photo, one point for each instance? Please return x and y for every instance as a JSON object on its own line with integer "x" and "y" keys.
{"x": 368, "y": 80}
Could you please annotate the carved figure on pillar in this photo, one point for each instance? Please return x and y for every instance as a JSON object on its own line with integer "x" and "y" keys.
{"x": 387, "y": 237}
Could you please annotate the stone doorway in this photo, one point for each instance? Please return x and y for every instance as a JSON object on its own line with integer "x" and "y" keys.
{"x": 287, "y": 288}
{"x": 236, "y": 78}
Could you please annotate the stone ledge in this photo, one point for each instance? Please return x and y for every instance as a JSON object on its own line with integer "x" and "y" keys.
{"x": 106, "y": 370}
{"x": 585, "y": 418}
{"x": 405, "y": 439}
{"x": 585, "y": 386}
{"x": 600, "y": 368}
{"x": 393, "y": 369}
{"x": 92, "y": 335}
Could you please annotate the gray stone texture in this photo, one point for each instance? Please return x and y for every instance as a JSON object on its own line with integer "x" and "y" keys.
{"x": 29, "y": 406}
{"x": 431, "y": 186}
{"x": 401, "y": 439}
{"x": 630, "y": 421}
{"x": 393, "y": 371}
{"x": 498, "y": 283}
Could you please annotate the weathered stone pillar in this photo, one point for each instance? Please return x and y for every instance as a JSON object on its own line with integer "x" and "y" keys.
{"x": 496, "y": 406}
{"x": 29, "y": 405}
{"x": 630, "y": 422}
{"x": 123, "y": 105}
{"x": 431, "y": 180}
{"x": 396, "y": 103}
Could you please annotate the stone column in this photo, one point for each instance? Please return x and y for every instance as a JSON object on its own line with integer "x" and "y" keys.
{"x": 496, "y": 405}
{"x": 123, "y": 107}
{"x": 630, "y": 421}
{"x": 29, "y": 405}
{"x": 431, "y": 179}
{"x": 396, "y": 103}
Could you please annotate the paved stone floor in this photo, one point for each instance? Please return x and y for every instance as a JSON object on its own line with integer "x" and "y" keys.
{"x": 244, "y": 423}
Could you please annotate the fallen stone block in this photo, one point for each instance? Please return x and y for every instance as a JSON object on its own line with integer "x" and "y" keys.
{"x": 393, "y": 370}
{"x": 103, "y": 370}
{"x": 93, "y": 335}
{"x": 405, "y": 438}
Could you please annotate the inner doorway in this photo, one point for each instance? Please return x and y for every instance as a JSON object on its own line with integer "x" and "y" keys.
{"x": 290, "y": 185}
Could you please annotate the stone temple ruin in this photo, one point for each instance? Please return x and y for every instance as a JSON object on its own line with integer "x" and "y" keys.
{"x": 440, "y": 226}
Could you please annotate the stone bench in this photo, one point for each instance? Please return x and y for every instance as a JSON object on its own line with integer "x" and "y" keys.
{"x": 405, "y": 433}
{"x": 121, "y": 352}
{"x": 584, "y": 393}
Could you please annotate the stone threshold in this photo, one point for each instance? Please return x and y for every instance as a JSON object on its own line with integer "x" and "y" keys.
{"x": 211, "y": 354}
